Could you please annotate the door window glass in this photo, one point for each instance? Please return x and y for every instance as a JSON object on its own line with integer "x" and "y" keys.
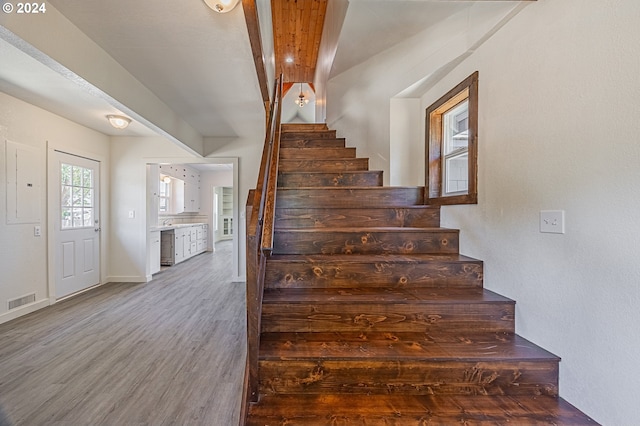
{"x": 77, "y": 209}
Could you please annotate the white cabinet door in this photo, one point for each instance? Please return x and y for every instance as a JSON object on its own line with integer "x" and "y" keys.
{"x": 192, "y": 192}
{"x": 179, "y": 245}
{"x": 154, "y": 252}
{"x": 186, "y": 242}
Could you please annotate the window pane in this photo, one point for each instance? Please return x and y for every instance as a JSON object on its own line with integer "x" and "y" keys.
{"x": 88, "y": 217}
{"x": 456, "y": 128}
{"x": 87, "y": 178}
{"x": 76, "y": 178}
{"x": 87, "y": 199}
{"x": 65, "y": 174}
{"x": 66, "y": 218}
{"x": 77, "y": 196}
{"x": 457, "y": 174}
{"x": 164, "y": 189}
{"x": 77, "y": 218}
{"x": 65, "y": 196}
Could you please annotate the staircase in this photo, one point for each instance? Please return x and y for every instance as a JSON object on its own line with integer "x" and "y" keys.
{"x": 371, "y": 316}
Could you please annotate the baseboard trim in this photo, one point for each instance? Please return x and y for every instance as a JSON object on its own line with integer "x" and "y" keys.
{"x": 24, "y": 310}
{"x": 129, "y": 279}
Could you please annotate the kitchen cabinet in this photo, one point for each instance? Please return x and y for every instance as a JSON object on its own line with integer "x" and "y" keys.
{"x": 191, "y": 198}
{"x": 179, "y": 246}
{"x": 183, "y": 242}
{"x": 185, "y": 188}
{"x": 154, "y": 252}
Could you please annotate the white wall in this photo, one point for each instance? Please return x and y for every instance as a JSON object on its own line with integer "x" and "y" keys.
{"x": 129, "y": 157}
{"x": 359, "y": 98}
{"x": 24, "y": 257}
{"x": 407, "y": 141}
{"x": 558, "y": 130}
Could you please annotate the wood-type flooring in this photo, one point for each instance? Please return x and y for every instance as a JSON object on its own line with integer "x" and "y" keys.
{"x": 168, "y": 352}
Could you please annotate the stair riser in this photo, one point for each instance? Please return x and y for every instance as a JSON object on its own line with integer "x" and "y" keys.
{"x": 303, "y": 127}
{"x": 349, "y": 197}
{"x": 353, "y": 164}
{"x": 332, "y": 242}
{"x": 313, "y": 143}
{"x": 373, "y": 274}
{"x": 409, "y": 377}
{"x": 318, "y": 134}
{"x": 317, "y": 153}
{"x": 293, "y": 180}
{"x": 386, "y": 317}
{"x": 419, "y": 217}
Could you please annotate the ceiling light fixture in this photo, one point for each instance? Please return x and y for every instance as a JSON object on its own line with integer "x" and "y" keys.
{"x": 301, "y": 101}
{"x": 222, "y": 6}
{"x": 119, "y": 121}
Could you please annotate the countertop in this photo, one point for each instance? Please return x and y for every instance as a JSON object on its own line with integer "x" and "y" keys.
{"x": 175, "y": 226}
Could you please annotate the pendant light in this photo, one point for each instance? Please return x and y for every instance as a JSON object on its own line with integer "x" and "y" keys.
{"x": 301, "y": 101}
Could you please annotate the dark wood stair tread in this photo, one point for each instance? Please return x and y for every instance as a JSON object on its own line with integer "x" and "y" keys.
{"x": 330, "y": 179}
{"x": 371, "y": 258}
{"x": 386, "y": 310}
{"x": 313, "y": 153}
{"x": 313, "y": 143}
{"x": 350, "y": 197}
{"x": 364, "y": 295}
{"x": 400, "y": 346}
{"x": 416, "y": 216}
{"x": 404, "y": 410}
{"x": 307, "y": 134}
{"x": 303, "y": 127}
{"x": 373, "y": 270}
{"x": 323, "y": 165}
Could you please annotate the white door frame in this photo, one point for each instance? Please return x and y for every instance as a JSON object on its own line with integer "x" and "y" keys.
{"x": 53, "y": 187}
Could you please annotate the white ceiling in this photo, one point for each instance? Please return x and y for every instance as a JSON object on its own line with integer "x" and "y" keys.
{"x": 372, "y": 26}
{"x": 194, "y": 60}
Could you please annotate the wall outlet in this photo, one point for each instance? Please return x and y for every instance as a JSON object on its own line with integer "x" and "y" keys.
{"x": 552, "y": 221}
{"x": 132, "y": 214}
{"x": 37, "y": 231}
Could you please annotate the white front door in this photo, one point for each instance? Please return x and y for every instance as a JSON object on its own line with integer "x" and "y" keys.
{"x": 77, "y": 224}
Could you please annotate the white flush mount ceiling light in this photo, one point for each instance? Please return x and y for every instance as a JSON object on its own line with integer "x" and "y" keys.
{"x": 222, "y": 6}
{"x": 119, "y": 121}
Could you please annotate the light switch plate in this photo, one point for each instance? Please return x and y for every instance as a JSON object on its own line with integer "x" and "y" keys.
{"x": 132, "y": 214}
{"x": 552, "y": 221}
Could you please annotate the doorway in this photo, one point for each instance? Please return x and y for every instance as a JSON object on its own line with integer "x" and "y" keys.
{"x": 76, "y": 223}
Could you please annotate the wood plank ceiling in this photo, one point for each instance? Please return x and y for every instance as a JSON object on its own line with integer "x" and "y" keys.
{"x": 297, "y": 29}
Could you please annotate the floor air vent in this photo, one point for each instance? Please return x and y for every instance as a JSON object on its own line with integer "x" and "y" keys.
{"x": 24, "y": 300}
